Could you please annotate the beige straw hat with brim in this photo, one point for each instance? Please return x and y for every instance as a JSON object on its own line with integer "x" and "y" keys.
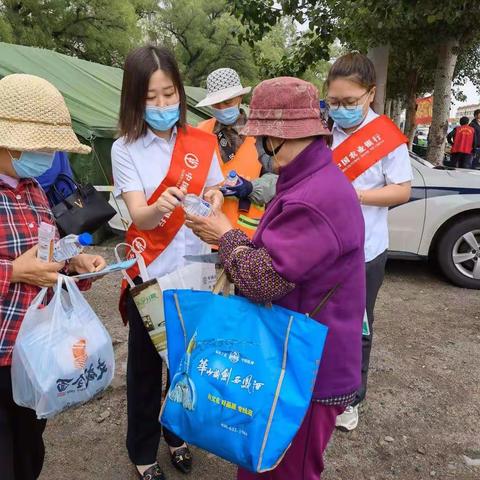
{"x": 34, "y": 117}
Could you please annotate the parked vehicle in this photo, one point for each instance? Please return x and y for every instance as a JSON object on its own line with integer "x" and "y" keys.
{"x": 441, "y": 222}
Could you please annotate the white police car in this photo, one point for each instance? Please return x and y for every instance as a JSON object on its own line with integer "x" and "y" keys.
{"x": 441, "y": 222}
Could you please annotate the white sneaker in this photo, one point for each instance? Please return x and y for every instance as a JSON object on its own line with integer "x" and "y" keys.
{"x": 348, "y": 420}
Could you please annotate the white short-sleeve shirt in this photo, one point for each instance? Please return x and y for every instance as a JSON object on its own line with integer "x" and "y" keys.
{"x": 393, "y": 169}
{"x": 142, "y": 166}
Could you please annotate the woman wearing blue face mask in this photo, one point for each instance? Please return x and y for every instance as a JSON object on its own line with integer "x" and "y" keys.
{"x": 384, "y": 182}
{"x": 34, "y": 123}
{"x": 156, "y": 161}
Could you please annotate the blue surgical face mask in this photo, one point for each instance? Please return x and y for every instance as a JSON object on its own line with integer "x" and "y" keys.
{"x": 347, "y": 117}
{"x": 162, "y": 118}
{"x": 227, "y": 116}
{"x": 32, "y": 164}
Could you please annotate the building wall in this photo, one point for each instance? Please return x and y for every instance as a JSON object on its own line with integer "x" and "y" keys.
{"x": 467, "y": 111}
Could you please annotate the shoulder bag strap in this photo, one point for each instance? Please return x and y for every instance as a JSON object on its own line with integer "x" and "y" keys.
{"x": 67, "y": 179}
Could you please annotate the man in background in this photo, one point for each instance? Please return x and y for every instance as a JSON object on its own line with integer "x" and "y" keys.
{"x": 475, "y": 124}
{"x": 462, "y": 139}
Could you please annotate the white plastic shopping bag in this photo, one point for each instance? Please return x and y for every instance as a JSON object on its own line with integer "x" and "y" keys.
{"x": 194, "y": 276}
{"x": 148, "y": 298}
{"x": 63, "y": 355}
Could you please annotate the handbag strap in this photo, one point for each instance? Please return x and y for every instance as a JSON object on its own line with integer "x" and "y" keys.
{"x": 223, "y": 284}
{"x": 69, "y": 181}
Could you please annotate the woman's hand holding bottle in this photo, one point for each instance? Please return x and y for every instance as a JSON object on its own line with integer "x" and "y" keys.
{"x": 170, "y": 199}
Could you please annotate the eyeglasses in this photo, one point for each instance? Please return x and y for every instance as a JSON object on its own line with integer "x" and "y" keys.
{"x": 350, "y": 105}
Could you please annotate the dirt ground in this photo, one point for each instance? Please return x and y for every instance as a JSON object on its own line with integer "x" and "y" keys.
{"x": 421, "y": 417}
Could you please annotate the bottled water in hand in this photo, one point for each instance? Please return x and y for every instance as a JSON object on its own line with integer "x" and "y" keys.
{"x": 194, "y": 205}
{"x": 71, "y": 246}
{"x": 232, "y": 179}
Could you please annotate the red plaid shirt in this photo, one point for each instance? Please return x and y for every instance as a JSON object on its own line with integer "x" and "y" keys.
{"x": 22, "y": 209}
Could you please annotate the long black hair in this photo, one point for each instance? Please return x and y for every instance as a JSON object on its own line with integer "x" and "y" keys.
{"x": 140, "y": 65}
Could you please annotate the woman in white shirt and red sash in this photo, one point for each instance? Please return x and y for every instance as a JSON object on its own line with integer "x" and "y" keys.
{"x": 157, "y": 159}
{"x": 373, "y": 153}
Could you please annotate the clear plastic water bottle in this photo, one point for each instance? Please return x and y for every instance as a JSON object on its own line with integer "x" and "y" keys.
{"x": 232, "y": 179}
{"x": 195, "y": 205}
{"x": 71, "y": 246}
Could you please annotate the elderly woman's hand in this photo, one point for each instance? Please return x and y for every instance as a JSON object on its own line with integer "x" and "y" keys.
{"x": 210, "y": 229}
{"x": 215, "y": 198}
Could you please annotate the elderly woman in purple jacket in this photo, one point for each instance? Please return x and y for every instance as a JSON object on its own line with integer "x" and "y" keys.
{"x": 309, "y": 240}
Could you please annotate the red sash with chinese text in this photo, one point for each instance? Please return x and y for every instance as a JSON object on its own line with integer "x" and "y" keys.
{"x": 367, "y": 146}
{"x": 191, "y": 160}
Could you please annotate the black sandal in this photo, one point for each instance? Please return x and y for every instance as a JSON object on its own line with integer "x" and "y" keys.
{"x": 182, "y": 459}
{"x": 152, "y": 473}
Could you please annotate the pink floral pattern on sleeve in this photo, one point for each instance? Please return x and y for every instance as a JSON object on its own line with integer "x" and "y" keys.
{"x": 251, "y": 269}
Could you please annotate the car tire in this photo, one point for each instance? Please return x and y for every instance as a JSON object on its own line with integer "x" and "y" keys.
{"x": 453, "y": 244}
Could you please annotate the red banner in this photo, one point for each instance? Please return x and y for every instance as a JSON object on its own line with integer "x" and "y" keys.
{"x": 424, "y": 111}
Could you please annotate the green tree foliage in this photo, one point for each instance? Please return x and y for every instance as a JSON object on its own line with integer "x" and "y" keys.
{"x": 306, "y": 47}
{"x": 468, "y": 67}
{"x": 280, "y": 44}
{"x": 6, "y": 34}
{"x": 427, "y": 29}
{"x": 450, "y": 31}
{"x": 203, "y": 36}
{"x": 98, "y": 30}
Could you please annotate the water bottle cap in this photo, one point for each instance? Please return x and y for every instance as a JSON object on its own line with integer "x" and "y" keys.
{"x": 85, "y": 239}
{"x": 323, "y": 104}
{"x": 232, "y": 173}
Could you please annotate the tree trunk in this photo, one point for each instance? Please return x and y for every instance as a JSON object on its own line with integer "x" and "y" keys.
{"x": 410, "y": 125}
{"x": 379, "y": 56}
{"x": 397, "y": 111}
{"x": 447, "y": 59}
{"x": 388, "y": 107}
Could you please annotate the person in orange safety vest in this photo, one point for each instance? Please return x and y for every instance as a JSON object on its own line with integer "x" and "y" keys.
{"x": 244, "y": 202}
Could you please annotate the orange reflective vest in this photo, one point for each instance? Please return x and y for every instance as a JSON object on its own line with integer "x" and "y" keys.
{"x": 246, "y": 164}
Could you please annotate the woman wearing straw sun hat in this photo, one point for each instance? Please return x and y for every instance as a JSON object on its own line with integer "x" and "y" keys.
{"x": 308, "y": 243}
{"x": 244, "y": 203}
{"x": 34, "y": 124}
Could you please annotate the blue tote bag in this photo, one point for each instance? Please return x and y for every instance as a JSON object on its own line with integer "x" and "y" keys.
{"x": 242, "y": 375}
